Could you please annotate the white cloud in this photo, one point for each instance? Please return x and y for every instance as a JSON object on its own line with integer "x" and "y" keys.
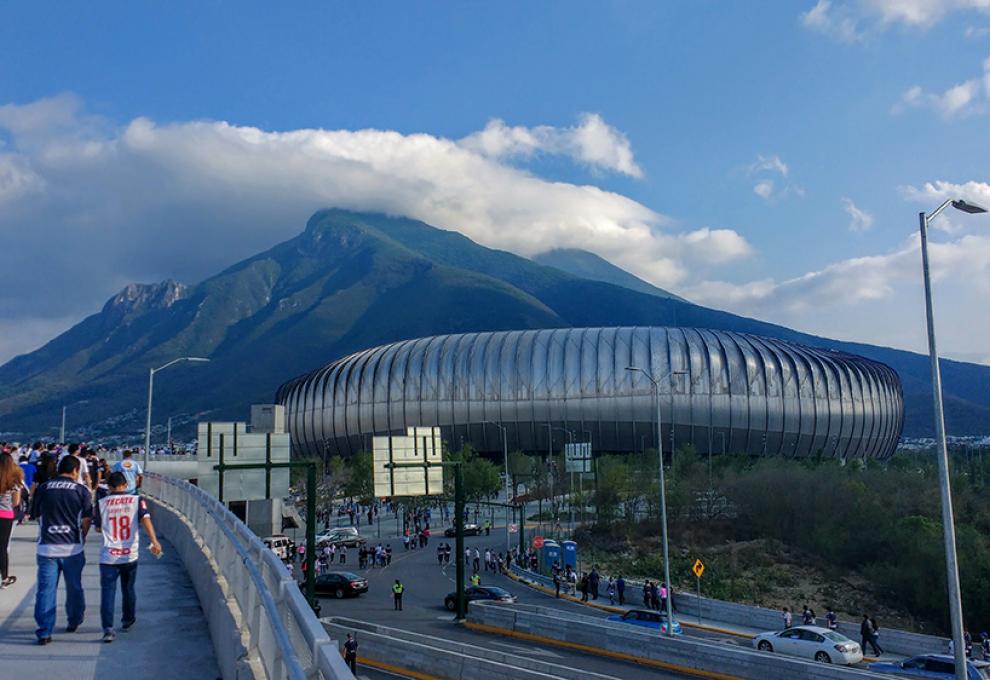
{"x": 854, "y": 20}
{"x": 763, "y": 188}
{"x": 962, "y": 99}
{"x": 838, "y": 23}
{"x": 880, "y": 296}
{"x": 859, "y": 219}
{"x": 976, "y": 32}
{"x": 764, "y": 169}
{"x": 592, "y": 142}
{"x": 146, "y": 202}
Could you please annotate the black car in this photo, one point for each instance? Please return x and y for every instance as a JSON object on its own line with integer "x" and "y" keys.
{"x": 479, "y": 593}
{"x": 469, "y": 530}
{"x": 339, "y": 584}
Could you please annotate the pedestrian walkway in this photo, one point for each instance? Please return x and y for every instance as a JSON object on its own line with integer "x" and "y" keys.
{"x": 169, "y": 640}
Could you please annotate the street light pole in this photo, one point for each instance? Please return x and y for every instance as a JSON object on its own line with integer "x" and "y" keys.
{"x": 948, "y": 523}
{"x": 61, "y": 432}
{"x": 151, "y": 387}
{"x": 505, "y": 461}
{"x": 663, "y": 494}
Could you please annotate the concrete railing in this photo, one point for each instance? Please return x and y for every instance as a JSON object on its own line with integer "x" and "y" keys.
{"x": 680, "y": 654}
{"x": 714, "y": 612}
{"x": 259, "y": 621}
{"x": 437, "y": 656}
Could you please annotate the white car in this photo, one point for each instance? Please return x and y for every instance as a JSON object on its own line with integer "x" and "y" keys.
{"x": 811, "y": 642}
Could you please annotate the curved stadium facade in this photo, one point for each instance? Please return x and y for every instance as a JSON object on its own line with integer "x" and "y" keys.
{"x": 738, "y": 393}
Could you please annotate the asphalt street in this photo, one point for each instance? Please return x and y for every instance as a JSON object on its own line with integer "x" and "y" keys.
{"x": 423, "y": 611}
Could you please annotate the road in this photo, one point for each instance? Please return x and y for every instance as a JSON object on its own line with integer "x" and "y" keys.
{"x": 423, "y": 610}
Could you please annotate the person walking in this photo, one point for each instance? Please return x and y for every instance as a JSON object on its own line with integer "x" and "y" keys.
{"x": 350, "y": 653}
{"x": 556, "y": 582}
{"x": 64, "y": 509}
{"x": 11, "y": 483}
{"x": 620, "y": 589}
{"x": 117, "y": 517}
{"x": 397, "y": 590}
{"x": 610, "y": 591}
{"x": 831, "y": 620}
{"x": 584, "y": 587}
{"x": 788, "y": 619}
{"x": 593, "y": 581}
{"x": 867, "y": 632}
{"x": 475, "y": 579}
{"x": 808, "y": 616}
{"x": 131, "y": 469}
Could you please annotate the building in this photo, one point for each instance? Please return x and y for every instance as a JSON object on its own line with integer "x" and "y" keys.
{"x": 720, "y": 391}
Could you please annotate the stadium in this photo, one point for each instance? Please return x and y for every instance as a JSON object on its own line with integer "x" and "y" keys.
{"x": 721, "y": 391}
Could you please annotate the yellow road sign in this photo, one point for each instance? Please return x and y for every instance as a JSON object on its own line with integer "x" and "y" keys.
{"x": 698, "y": 568}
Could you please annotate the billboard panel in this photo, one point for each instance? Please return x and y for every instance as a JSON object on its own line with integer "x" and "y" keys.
{"x": 419, "y": 445}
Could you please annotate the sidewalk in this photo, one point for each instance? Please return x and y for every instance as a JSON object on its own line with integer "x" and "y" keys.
{"x": 169, "y": 640}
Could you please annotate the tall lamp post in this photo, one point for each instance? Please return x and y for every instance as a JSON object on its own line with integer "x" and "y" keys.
{"x": 570, "y": 436}
{"x": 505, "y": 461}
{"x": 663, "y": 491}
{"x": 151, "y": 387}
{"x": 948, "y": 523}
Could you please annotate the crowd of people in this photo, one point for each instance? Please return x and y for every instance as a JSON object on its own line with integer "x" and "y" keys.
{"x": 69, "y": 489}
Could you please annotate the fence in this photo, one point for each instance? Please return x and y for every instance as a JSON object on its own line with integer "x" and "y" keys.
{"x": 260, "y": 622}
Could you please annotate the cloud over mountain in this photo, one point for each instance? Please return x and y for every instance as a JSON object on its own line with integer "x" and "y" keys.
{"x": 94, "y": 206}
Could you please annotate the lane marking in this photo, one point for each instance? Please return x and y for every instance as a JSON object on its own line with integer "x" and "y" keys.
{"x": 711, "y": 675}
{"x": 397, "y": 670}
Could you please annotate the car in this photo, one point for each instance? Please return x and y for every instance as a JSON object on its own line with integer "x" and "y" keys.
{"x": 647, "y": 619}
{"x": 811, "y": 642}
{"x": 339, "y": 584}
{"x": 279, "y": 544}
{"x": 489, "y": 593}
{"x": 931, "y": 666}
{"x": 346, "y": 536}
{"x": 470, "y": 529}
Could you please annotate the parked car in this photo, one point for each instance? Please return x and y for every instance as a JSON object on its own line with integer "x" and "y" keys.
{"x": 811, "y": 642}
{"x": 490, "y": 593}
{"x": 931, "y": 666}
{"x": 346, "y": 536}
{"x": 279, "y": 544}
{"x": 647, "y": 619}
{"x": 470, "y": 529}
{"x": 339, "y": 584}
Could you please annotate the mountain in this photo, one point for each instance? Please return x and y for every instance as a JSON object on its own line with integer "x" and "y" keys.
{"x": 587, "y": 265}
{"x": 350, "y": 281}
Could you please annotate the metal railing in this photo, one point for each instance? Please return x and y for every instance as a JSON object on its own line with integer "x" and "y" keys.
{"x": 284, "y": 633}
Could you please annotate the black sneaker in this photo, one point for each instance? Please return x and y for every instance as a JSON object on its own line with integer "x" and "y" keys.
{"x": 72, "y": 629}
{"x": 126, "y": 625}
{"x": 109, "y": 636}
{"x": 44, "y": 641}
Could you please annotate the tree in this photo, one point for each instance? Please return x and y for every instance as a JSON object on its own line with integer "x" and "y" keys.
{"x": 520, "y": 469}
{"x": 481, "y": 478}
{"x": 360, "y": 485}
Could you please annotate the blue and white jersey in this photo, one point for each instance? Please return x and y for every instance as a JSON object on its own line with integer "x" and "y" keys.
{"x": 130, "y": 469}
{"x": 60, "y": 505}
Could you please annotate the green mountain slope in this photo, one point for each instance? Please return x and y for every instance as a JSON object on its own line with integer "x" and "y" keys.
{"x": 350, "y": 281}
{"x": 587, "y": 265}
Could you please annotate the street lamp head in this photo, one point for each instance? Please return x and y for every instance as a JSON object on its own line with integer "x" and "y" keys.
{"x": 967, "y": 207}
{"x": 199, "y": 359}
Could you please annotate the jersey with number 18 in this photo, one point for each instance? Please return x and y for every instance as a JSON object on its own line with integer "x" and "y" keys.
{"x": 118, "y": 516}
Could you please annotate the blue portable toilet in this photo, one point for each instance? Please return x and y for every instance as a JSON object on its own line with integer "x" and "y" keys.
{"x": 569, "y": 549}
{"x": 549, "y": 555}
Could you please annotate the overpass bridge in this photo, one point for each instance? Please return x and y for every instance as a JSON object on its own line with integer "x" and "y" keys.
{"x": 219, "y": 604}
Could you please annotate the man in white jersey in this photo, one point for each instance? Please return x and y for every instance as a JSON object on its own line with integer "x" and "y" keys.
{"x": 117, "y": 516}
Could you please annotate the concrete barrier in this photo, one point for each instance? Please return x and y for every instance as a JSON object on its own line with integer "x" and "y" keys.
{"x": 686, "y": 655}
{"x": 714, "y": 612}
{"x": 260, "y": 624}
{"x": 340, "y": 625}
{"x": 430, "y": 657}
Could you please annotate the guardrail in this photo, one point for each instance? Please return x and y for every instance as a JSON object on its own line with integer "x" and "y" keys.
{"x": 691, "y": 656}
{"x": 283, "y": 637}
{"x": 714, "y": 612}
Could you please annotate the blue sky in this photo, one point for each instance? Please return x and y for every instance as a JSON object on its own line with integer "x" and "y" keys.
{"x": 712, "y": 99}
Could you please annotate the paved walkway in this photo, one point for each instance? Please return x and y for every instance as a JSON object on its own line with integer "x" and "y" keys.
{"x": 169, "y": 640}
